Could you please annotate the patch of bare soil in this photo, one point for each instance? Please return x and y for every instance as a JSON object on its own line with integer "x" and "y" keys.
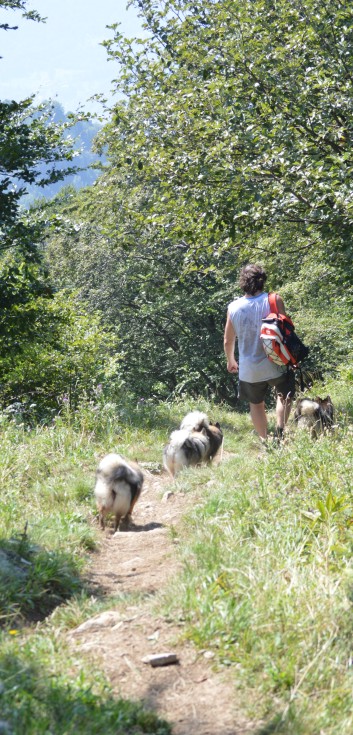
{"x": 189, "y": 694}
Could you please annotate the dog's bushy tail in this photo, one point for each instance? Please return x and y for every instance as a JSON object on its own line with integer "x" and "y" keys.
{"x": 195, "y": 421}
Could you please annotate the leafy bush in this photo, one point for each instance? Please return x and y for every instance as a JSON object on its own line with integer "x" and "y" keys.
{"x": 64, "y": 356}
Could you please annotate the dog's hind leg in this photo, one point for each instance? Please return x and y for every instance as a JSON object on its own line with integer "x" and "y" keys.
{"x": 101, "y": 519}
{"x": 221, "y": 452}
{"x": 117, "y": 520}
{"x": 128, "y": 518}
{"x": 135, "y": 494}
{"x": 170, "y": 467}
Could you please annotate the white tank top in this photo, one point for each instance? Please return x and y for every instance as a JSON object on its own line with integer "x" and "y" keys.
{"x": 246, "y": 314}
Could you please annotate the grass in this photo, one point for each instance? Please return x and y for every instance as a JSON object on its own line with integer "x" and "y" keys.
{"x": 267, "y": 580}
{"x": 46, "y": 535}
{"x": 268, "y": 576}
{"x": 44, "y": 691}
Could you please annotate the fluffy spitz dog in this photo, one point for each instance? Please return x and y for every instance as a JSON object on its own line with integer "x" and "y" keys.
{"x": 314, "y": 414}
{"x": 195, "y": 421}
{"x": 195, "y": 442}
{"x": 117, "y": 489}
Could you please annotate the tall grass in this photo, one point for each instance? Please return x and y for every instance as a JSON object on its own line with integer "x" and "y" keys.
{"x": 47, "y": 532}
{"x": 268, "y": 579}
{"x": 47, "y": 510}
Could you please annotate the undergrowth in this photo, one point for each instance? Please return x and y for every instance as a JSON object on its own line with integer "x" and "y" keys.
{"x": 267, "y": 584}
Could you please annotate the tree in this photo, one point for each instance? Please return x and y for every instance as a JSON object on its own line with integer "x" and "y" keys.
{"x": 62, "y": 357}
{"x": 28, "y": 141}
{"x": 47, "y": 345}
{"x": 17, "y": 5}
{"x": 170, "y": 329}
{"x": 236, "y": 123}
{"x": 30, "y": 146}
{"x": 241, "y": 113}
{"x": 227, "y": 144}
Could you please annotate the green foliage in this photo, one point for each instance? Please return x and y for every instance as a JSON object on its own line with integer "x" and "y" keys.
{"x": 230, "y": 142}
{"x": 267, "y": 579}
{"x": 322, "y": 304}
{"x": 18, "y": 5}
{"x": 87, "y": 164}
{"x": 241, "y": 114}
{"x": 170, "y": 329}
{"x": 51, "y": 350}
{"x": 43, "y": 529}
{"x": 28, "y": 140}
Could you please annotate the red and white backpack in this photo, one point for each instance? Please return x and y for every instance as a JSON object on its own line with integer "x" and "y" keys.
{"x": 281, "y": 344}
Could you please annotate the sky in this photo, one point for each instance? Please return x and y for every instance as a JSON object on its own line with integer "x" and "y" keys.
{"x": 62, "y": 59}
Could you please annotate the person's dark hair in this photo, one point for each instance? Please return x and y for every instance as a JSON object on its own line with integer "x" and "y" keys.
{"x": 252, "y": 278}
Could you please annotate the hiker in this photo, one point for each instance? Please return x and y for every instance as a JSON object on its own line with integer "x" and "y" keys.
{"x": 256, "y": 371}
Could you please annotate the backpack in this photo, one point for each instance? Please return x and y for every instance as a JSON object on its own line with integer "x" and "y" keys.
{"x": 281, "y": 344}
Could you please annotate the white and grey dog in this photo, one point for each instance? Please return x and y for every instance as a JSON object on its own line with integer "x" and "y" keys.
{"x": 314, "y": 414}
{"x": 117, "y": 489}
{"x": 195, "y": 421}
{"x": 195, "y": 442}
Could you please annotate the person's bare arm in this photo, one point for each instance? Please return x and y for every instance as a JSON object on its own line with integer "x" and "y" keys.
{"x": 229, "y": 345}
{"x": 280, "y": 304}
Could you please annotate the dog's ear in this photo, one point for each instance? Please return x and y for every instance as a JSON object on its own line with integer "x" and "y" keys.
{"x": 327, "y": 405}
{"x": 324, "y": 401}
{"x": 217, "y": 425}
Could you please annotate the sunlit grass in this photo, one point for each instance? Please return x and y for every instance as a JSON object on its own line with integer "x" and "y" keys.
{"x": 267, "y": 581}
{"x": 45, "y": 689}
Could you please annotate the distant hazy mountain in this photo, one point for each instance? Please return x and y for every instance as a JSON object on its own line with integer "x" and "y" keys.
{"x": 83, "y": 132}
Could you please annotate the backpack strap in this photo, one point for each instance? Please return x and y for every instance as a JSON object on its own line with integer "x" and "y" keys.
{"x": 272, "y": 300}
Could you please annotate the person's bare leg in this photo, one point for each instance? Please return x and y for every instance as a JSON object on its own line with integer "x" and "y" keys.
{"x": 259, "y": 418}
{"x": 283, "y": 407}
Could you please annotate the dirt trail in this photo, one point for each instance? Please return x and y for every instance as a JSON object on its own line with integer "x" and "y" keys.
{"x": 194, "y": 698}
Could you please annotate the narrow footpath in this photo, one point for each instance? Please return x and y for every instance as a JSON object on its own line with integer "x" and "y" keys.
{"x": 189, "y": 694}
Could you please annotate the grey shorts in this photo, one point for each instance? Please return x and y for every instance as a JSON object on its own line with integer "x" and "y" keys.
{"x": 256, "y": 392}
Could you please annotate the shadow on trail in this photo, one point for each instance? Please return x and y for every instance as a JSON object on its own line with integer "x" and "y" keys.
{"x": 34, "y": 580}
{"x": 130, "y": 529}
{"x": 145, "y": 528}
{"x": 270, "y": 728}
{"x": 187, "y": 722}
{"x": 70, "y": 707}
